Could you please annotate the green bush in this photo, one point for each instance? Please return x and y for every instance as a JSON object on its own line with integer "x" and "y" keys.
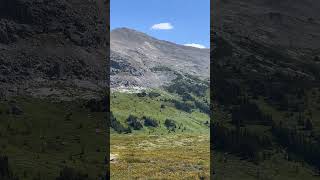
{"x": 134, "y": 122}
{"x": 154, "y": 94}
{"x": 150, "y": 122}
{"x": 184, "y": 106}
{"x": 170, "y": 124}
{"x": 117, "y": 126}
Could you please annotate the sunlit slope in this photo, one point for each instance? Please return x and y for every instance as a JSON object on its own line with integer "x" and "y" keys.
{"x": 160, "y": 108}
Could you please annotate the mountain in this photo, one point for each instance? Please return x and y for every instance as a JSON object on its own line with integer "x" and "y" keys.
{"x": 265, "y": 73}
{"x": 53, "y": 69}
{"x": 168, "y": 97}
{"x": 141, "y": 60}
{"x": 285, "y": 23}
{"x": 265, "y": 45}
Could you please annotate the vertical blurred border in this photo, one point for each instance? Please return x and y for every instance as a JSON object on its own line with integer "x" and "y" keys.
{"x": 107, "y": 96}
{"x": 211, "y": 88}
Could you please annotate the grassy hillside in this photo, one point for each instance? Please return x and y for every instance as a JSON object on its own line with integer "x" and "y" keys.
{"x": 278, "y": 137}
{"x": 158, "y": 108}
{"x": 42, "y": 136}
{"x": 164, "y": 133}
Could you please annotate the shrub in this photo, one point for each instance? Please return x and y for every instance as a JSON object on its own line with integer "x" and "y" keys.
{"x": 117, "y": 126}
{"x": 182, "y": 106}
{"x": 187, "y": 97}
{"x": 134, "y": 122}
{"x": 154, "y": 94}
{"x": 170, "y": 124}
{"x": 150, "y": 122}
{"x": 203, "y": 107}
{"x": 95, "y": 105}
{"x": 142, "y": 94}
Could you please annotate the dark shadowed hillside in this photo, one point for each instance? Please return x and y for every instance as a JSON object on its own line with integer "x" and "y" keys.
{"x": 265, "y": 74}
{"x": 53, "y": 67}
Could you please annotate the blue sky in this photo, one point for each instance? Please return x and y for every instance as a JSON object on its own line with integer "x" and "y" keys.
{"x": 179, "y": 21}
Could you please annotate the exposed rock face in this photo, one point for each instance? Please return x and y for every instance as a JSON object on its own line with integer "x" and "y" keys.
{"x": 42, "y": 42}
{"x": 140, "y": 60}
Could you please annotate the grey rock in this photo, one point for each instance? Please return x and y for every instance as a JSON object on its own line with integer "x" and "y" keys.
{"x": 134, "y": 55}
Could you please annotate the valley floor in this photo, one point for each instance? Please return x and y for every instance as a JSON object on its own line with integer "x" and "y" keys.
{"x": 174, "y": 156}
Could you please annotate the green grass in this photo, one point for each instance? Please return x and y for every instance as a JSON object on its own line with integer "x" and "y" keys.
{"x": 154, "y": 153}
{"x": 124, "y": 104}
{"x": 42, "y": 140}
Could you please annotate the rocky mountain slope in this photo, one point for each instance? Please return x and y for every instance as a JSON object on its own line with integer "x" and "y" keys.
{"x": 263, "y": 41}
{"x": 265, "y": 75}
{"x": 43, "y": 43}
{"x": 286, "y": 23}
{"x": 140, "y": 60}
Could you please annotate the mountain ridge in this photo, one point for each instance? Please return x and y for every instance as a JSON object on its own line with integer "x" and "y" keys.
{"x": 135, "y": 56}
{"x": 133, "y": 31}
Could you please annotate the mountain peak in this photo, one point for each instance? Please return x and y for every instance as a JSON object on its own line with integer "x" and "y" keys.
{"x": 125, "y": 30}
{"x": 130, "y": 35}
{"x": 136, "y": 55}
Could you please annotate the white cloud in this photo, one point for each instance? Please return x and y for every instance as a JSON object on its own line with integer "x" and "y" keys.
{"x": 195, "y": 45}
{"x": 162, "y": 26}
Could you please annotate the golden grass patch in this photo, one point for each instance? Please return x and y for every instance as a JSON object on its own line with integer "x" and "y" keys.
{"x": 160, "y": 157}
